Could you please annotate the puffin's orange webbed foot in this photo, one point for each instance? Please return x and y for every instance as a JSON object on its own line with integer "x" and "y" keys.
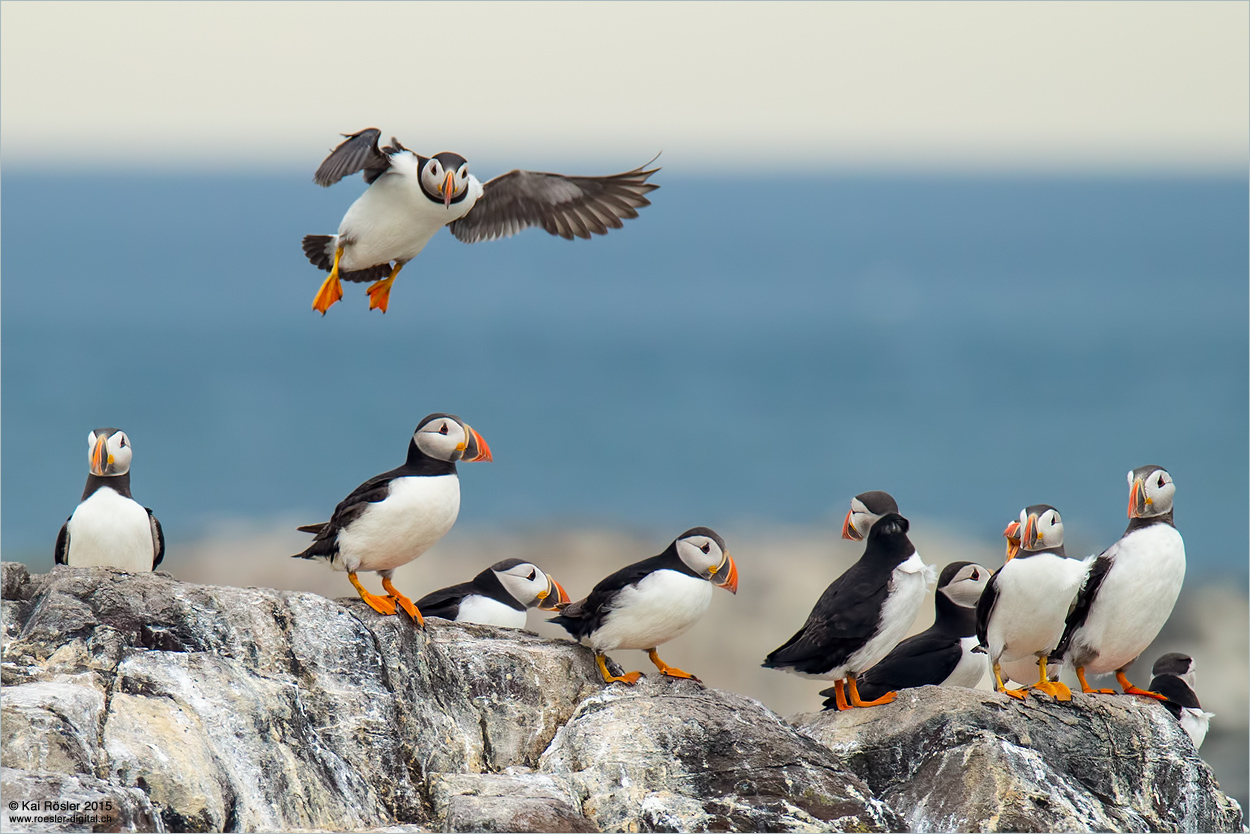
{"x": 331, "y": 290}
{"x": 629, "y": 678}
{"x": 403, "y": 602}
{"x": 1129, "y": 689}
{"x": 1086, "y": 688}
{"x": 670, "y": 671}
{"x": 383, "y": 605}
{"x": 856, "y": 701}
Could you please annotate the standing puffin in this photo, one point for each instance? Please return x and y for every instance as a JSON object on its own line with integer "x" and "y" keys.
{"x": 109, "y": 527}
{"x": 410, "y": 197}
{"x": 393, "y": 518}
{"x": 941, "y": 655}
{"x": 866, "y": 509}
{"x": 652, "y": 601}
{"x": 1021, "y": 671}
{"x": 498, "y": 596}
{"x": 861, "y": 616}
{"x": 1174, "y": 679}
{"x": 1021, "y": 613}
{"x": 1131, "y": 589}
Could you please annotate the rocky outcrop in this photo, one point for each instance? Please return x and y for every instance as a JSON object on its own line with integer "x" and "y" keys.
{"x": 196, "y": 708}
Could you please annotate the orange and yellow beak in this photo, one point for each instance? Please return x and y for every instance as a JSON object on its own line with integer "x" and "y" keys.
{"x": 1031, "y": 535}
{"x": 476, "y": 449}
{"x": 848, "y": 529}
{"x": 554, "y": 598}
{"x": 726, "y": 576}
{"x": 1012, "y": 534}
{"x": 446, "y": 187}
{"x": 100, "y": 457}
{"x": 1137, "y": 499}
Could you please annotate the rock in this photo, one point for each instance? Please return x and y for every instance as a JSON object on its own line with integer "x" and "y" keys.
{"x": 106, "y": 806}
{"x": 519, "y": 800}
{"x": 953, "y": 759}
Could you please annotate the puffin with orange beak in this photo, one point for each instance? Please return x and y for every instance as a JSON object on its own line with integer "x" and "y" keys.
{"x": 498, "y": 596}
{"x": 393, "y": 518}
{"x": 652, "y": 601}
{"x": 410, "y": 197}
{"x": 110, "y": 528}
{"x": 866, "y": 509}
{"x": 1132, "y": 587}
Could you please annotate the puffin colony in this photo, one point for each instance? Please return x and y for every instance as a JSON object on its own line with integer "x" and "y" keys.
{"x": 1042, "y": 610}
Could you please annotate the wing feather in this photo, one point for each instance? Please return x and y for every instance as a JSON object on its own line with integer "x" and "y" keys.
{"x": 358, "y": 152}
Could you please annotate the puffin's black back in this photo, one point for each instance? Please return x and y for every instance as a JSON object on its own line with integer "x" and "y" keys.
{"x": 1179, "y": 695}
{"x": 848, "y": 613}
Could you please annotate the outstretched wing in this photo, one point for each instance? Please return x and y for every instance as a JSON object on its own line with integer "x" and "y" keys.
{"x": 359, "y": 152}
{"x": 565, "y": 206}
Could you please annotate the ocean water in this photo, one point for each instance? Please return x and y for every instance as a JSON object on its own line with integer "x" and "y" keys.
{"x": 747, "y": 350}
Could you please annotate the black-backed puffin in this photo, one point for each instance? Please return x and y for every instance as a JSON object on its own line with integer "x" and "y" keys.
{"x": 499, "y": 596}
{"x": 1021, "y": 613}
{"x": 941, "y": 655}
{"x": 410, "y": 197}
{"x": 652, "y": 601}
{"x": 1131, "y": 589}
{"x": 109, "y": 527}
{"x": 1174, "y": 678}
{"x": 861, "y": 616}
{"x": 866, "y": 509}
{"x": 393, "y": 518}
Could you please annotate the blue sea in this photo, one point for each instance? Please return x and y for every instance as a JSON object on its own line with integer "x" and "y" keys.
{"x": 747, "y": 350}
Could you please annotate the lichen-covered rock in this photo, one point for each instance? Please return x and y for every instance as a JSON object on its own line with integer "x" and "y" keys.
{"x": 952, "y": 759}
{"x": 515, "y": 801}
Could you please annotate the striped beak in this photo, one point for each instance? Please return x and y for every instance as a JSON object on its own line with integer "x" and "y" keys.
{"x": 554, "y": 598}
{"x": 848, "y": 528}
{"x": 447, "y": 187}
{"x": 100, "y": 457}
{"x": 726, "y": 576}
{"x": 1137, "y": 500}
{"x": 1031, "y": 535}
{"x": 1012, "y": 534}
{"x": 476, "y": 449}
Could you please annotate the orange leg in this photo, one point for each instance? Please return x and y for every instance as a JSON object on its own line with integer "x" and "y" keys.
{"x": 999, "y": 686}
{"x": 403, "y": 602}
{"x": 1129, "y": 689}
{"x": 1055, "y": 689}
{"x": 1086, "y": 688}
{"x": 331, "y": 290}
{"x": 665, "y": 669}
{"x": 857, "y": 702}
{"x": 383, "y": 605}
{"x": 380, "y": 291}
{"x": 629, "y": 678}
{"x": 839, "y": 695}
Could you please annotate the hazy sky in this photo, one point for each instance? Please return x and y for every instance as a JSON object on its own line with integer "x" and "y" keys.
{"x": 776, "y": 87}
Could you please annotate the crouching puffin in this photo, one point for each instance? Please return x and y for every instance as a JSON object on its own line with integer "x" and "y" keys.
{"x": 861, "y": 616}
{"x": 1021, "y": 612}
{"x": 1174, "y": 679}
{"x": 410, "y": 197}
{"x": 652, "y": 601}
{"x": 109, "y": 527}
{"x": 1131, "y": 589}
{"x": 393, "y": 518}
{"x": 498, "y": 596}
{"x": 941, "y": 655}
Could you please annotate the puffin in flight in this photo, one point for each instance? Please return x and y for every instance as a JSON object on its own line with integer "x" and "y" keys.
{"x": 1131, "y": 589}
{"x": 1174, "y": 679}
{"x": 652, "y": 601}
{"x": 861, "y": 616}
{"x": 109, "y": 527}
{"x": 393, "y": 518}
{"x": 410, "y": 197}
{"x": 498, "y": 596}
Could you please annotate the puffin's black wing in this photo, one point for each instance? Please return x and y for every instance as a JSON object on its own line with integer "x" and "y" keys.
{"x": 325, "y": 543}
{"x": 1084, "y": 599}
{"x": 359, "y": 152}
{"x": 924, "y": 659}
{"x": 158, "y": 540}
{"x": 61, "y": 554}
{"x": 985, "y": 607}
{"x": 585, "y": 616}
{"x": 845, "y": 616}
{"x": 445, "y": 602}
{"x": 565, "y": 206}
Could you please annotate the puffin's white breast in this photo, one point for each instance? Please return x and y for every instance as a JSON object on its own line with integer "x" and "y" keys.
{"x": 108, "y": 529}
{"x": 1034, "y": 594}
{"x": 972, "y": 666}
{"x": 487, "y": 611}
{"x": 1196, "y": 722}
{"x": 417, "y": 513}
{"x": 661, "y": 606}
{"x": 908, "y": 583}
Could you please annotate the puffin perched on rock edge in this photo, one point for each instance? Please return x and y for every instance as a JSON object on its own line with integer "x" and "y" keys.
{"x": 1174, "y": 678}
{"x": 498, "y": 596}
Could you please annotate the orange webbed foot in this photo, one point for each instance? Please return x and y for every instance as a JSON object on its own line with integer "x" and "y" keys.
{"x": 1054, "y": 689}
{"x": 856, "y": 701}
{"x": 1129, "y": 689}
{"x": 670, "y": 671}
{"x": 383, "y": 605}
{"x": 629, "y": 678}
{"x": 380, "y": 294}
{"x": 331, "y": 292}
{"x": 403, "y": 602}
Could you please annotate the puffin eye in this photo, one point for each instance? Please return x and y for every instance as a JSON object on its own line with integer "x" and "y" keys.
{"x": 706, "y": 547}
{"x": 1161, "y": 482}
{"x": 122, "y": 444}
{"x": 442, "y": 429}
{"x": 975, "y": 576}
{"x": 533, "y": 573}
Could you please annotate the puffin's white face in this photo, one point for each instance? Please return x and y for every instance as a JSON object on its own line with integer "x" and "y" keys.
{"x": 966, "y": 587}
{"x": 1151, "y": 491}
{"x": 858, "y": 521}
{"x": 109, "y": 452}
{"x": 705, "y": 556}
{"x": 448, "y": 182}
{"x": 1042, "y": 530}
{"x": 445, "y": 437}
{"x": 531, "y": 587}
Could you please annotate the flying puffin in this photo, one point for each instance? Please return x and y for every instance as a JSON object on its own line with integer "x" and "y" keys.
{"x": 410, "y": 197}
{"x": 393, "y": 518}
{"x": 1131, "y": 589}
{"x": 1021, "y": 613}
{"x": 861, "y": 616}
{"x": 498, "y": 596}
{"x": 942, "y": 655}
{"x": 652, "y": 601}
{"x": 109, "y": 527}
{"x": 866, "y": 509}
{"x": 1174, "y": 678}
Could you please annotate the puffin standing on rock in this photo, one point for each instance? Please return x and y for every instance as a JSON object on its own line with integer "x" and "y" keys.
{"x": 861, "y": 616}
{"x": 393, "y": 518}
{"x": 1174, "y": 679}
{"x": 410, "y": 197}
{"x": 499, "y": 596}
{"x": 1131, "y": 589}
{"x": 108, "y": 527}
{"x": 652, "y": 601}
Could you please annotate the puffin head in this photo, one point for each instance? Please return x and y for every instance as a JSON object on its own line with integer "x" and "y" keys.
{"x": 1175, "y": 663}
{"x": 447, "y": 437}
{"x": 109, "y": 453}
{"x": 963, "y": 582}
{"x": 445, "y": 178}
{"x": 529, "y": 585}
{"x": 1041, "y": 528}
{"x": 1150, "y": 492}
{"x": 866, "y": 508}
{"x": 703, "y": 551}
{"x": 1012, "y": 535}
